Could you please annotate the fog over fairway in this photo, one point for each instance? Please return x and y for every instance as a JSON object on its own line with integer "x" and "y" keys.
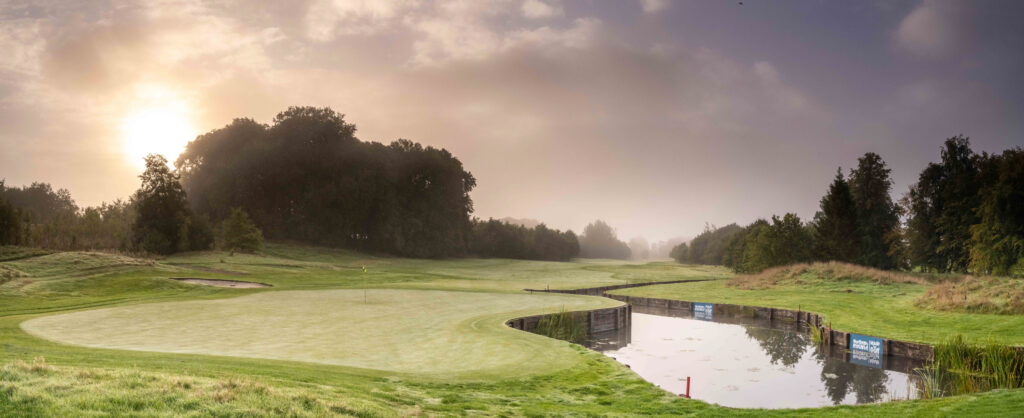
{"x": 654, "y": 116}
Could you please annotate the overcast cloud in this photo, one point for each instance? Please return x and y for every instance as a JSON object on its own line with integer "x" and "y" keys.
{"x": 656, "y": 116}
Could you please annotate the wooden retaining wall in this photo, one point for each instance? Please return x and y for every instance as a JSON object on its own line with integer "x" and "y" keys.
{"x": 831, "y": 336}
{"x": 597, "y": 321}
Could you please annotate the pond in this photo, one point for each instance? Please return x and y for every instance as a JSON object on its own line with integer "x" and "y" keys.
{"x": 742, "y": 362}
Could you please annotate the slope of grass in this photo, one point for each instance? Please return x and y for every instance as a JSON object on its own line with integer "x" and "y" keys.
{"x": 874, "y": 303}
{"x": 76, "y": 380}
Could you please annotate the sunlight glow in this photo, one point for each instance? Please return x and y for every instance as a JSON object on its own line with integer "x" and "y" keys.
{"x": 163, "y": 128}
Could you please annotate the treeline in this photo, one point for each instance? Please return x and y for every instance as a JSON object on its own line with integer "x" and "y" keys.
{"x": 708, "y": 247}
{"x": 965, "y": 214}
{"x": 39, "y": 216}
{"x": 500, "y": 239}
{"x": 307, "y": 178}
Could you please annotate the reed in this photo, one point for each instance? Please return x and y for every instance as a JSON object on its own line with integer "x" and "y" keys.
{"x": 961, "y": 367}
{"x": 563, "y": 326}
{"x": 816, "y": 336}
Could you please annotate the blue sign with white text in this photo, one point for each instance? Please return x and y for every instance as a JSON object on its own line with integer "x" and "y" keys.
{"x": 866, "y": 350}
{"x": 704, "y": 311}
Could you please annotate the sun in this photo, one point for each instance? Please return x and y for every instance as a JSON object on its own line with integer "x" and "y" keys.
{"x": 157, "y": 129}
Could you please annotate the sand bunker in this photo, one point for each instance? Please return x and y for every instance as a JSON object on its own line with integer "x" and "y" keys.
{"x": 222, "y": 283}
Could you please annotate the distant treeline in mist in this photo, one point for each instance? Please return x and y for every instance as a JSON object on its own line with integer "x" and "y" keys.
{"x": 304, "y": 178}
{"x": 965, "y": 214}
{"x": 501, "y": 239}
{"x": 599, "y": 240}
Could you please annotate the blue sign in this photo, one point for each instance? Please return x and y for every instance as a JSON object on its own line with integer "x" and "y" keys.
{"x": 866, "y": 350}
{"x": 704, "y": 311}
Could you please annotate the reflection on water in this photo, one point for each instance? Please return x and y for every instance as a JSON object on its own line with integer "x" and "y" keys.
{"x": 743, "y": 362}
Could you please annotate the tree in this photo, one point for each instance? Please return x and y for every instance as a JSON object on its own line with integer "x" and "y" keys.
{"x": 11, "y": 222}
{"x": 600, "y": 241}
{"x": 707, "y": 248}
{"x": 942, "y": 208}
{"x": 835, "y": 225}
{"x": 761, "y": 245}
{"x": 998, "y": 238}
{"x": 161, "y": 226}
{"x": 639, "y": 248}
{"x": 877, "y": 215}
{"x": 239, "y": 233}
{"x": 308, "y": 178}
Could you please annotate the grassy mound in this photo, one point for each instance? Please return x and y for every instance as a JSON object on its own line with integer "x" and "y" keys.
{"x": 832, "y": 271}
{"x": 986, "y": 295}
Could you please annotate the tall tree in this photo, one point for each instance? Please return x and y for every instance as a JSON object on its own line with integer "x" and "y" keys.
{"x": 877, "y": 214}
{"x": 942, "y": 206}
{"x": 161, "y": 226}
{"x": 600, "y": 241}
{"x": 835, "y": 225}
{"x": 998, "y": 239}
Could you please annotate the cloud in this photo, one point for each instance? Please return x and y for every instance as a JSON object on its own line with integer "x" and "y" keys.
{"x": 654, "y": 6}
{"x": 936, "y": 29}
{"x": 536, "y": 9}
{"x": 326, "y": 19}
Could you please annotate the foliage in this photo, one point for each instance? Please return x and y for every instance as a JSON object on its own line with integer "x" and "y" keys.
{"x": 835, "y": 225}
{"x": 998, "y": 238}
{"x": 50, "y": 219}
{"x": 239, "y": 233}
{"x": 942, "y": 207}
{"x": 494, "y": 238}
{"x": 308, "y": 178}
{"x": 762, "y": 244}
{"x": 12, "y": 225}
{"x": 600, "y": 241}
{"x": 165, "y": 224}
{"x": 877, "y": 214}
{"x": 707, "y": 248}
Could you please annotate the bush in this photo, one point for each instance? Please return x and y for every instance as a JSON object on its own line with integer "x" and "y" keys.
{"x": 239, "y": 233}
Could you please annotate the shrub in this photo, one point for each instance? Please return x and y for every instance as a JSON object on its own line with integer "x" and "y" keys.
{"x": 239, "y": 233}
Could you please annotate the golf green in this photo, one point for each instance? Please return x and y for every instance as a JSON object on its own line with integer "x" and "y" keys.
{"x": 440, "y": 333}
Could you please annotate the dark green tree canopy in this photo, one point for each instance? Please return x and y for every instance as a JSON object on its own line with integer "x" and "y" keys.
{"x": 877, "y": 215}
{"x": 707, "y": 248}
{"x": 239, "y": 233}
{"x": 163, "y": 220}
{"x": 308, "y": 178}
{"x": 835, "y": 225}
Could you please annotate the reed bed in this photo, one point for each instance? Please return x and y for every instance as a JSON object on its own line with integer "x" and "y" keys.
{"x": 563, "y": 326}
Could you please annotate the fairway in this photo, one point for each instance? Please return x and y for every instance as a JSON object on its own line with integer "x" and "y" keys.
{"x": 440, "y": 333}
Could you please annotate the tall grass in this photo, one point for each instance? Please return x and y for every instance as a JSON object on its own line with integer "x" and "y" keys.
{"x": 829, "y": 271}
{"x": 816, "y": 335}
{"x": 563, "y": 326}
{"x": 961, "y": 367}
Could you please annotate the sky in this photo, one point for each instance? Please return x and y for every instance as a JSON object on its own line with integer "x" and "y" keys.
{"x": 656, "y": 116}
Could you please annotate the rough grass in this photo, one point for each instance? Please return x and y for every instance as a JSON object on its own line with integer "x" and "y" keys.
{"x": 985, "y": 295}
{"x": 829, "y": 271}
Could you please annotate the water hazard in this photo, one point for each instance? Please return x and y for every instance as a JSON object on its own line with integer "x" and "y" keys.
{"x": 753, "y": 363}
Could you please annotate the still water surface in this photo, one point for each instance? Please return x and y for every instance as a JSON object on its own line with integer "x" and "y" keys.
{"x": 750, "y": 363}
